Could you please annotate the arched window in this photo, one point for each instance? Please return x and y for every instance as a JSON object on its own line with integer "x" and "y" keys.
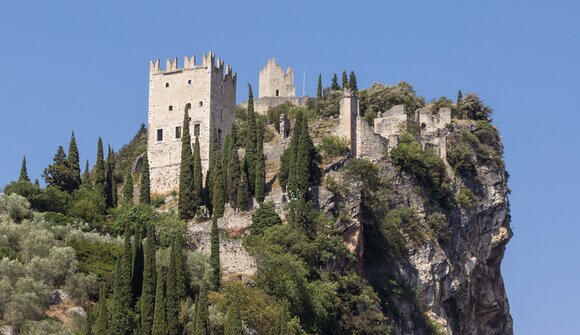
{"x": 189, "y": 82}
{"x": 170, "y": 108}
{"x": 166, "y": 84}
{"x": 188, "y": 105}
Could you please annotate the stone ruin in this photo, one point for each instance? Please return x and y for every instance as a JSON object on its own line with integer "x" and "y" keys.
{"x": 370, "y": 142}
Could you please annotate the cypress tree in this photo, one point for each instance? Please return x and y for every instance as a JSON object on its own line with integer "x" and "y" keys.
{"x": 73, "y": 162}
{"x": 319, "y": 87}
{"x": 260, "y": 173}
{"x": 234, "y": 174}
{"x": 58, "y": 174}
{"x": 213, "y": 150}
{"x": 251, "y": 141}
{"x": 243, "y": 193}
{"x": 233, "y": 323}
{"x": 86, "y": 178}
{"x": 215, "y": 254}
{"x": 145, "y": 189}
{"x": 281, "y": 324}
{"x": 250, "y": 99}
{"x": 110, "y": 184}
{"x": 202, "y": 315}
{"x": 218, "y": 193}
{"x": 302, "y": 172}
{"x": 186, "y": 201}
{"x": 138, "y": 266}
{"x": 344, "y": 80}
{"x": 148, "y": 296}
{"x": 225, "y": 158}
{"x": 352, "y": 82}
{"x": 127, "y": 269}
{"x": 128, "y": 187}
{"x": 181, "y": 285}
{"x": 334, "y": 86}
{"x": 160, "y": 317}
{"x": 100, "y": 176}
{"x": 36, "y": 182}
{"x": 459, "y": 98}
{"x": 23, "y": 171}
{"x": 197, "y": 174}
{"x": 100, "y": 326}
{"x": 289, "y": 163}
{"x": 171, "y": 298}
{"x": 120, "y": 319}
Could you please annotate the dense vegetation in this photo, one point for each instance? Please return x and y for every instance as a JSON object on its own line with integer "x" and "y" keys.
{"x": 130, "y": 266}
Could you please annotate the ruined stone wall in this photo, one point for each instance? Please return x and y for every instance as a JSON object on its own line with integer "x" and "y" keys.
{"x": 274, "y": 82}
{"x": 211, "y": 98}
{"x": 261, "y": 105}
{"x": 347, "y": 122}
{"x": 433, "y": 130}
{"x": 369, "y": 144}
{"x": 391, "y": 124}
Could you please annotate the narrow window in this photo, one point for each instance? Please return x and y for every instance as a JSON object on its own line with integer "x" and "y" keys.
{"x": 200, "y": 103}
{"x": 166, "y": 84}
{"x": 170, "y": 108}
{"x": 221, "y": 114}
{"x": 188, "y": 105}
{"x": 277, "y": 92}
{"x": 177, "y": 132}
{"x": 220, "y": 138}
{"x": 159, "y": 135}
{"x": 196, "y": 129}
{"x": 189, "y": 82}
{"x": 222, "y": 89}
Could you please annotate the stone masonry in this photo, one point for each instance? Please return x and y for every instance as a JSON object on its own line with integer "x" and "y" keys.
{"x": 210, "y": 96}
{"x": 371, "y": 141}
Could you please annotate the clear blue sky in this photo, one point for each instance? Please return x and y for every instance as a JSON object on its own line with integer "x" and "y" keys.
{"x": 83, "y": 66}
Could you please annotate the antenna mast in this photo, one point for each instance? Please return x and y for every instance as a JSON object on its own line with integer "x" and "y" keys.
{"x": 304, "y": 84}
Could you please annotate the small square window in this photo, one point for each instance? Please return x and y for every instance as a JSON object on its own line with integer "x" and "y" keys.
{"x": 188, "y": 105}
{"x": 170, "y": 108}
{"x": 200, "y": 103}
{"x": 166, "y": 84}
{"x": 178, "y": 132}
{"x": 196, "y": 129}
{"x": 159, "y": 135}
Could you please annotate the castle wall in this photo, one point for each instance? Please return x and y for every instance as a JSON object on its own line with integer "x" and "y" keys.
{"x": 274, "y": 82}
{"x": 347, "y": 121}
{"x": 261, "y": 105}
{"x": 369, "y": 144}
{"x": 174, "y": 88}
{"x": 391, "y": 124}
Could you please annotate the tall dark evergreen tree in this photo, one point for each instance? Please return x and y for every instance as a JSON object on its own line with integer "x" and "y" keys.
{"x": 181, "y": 284}
{"x": 172, "y": 300}
{"x": 147, "y": 301}
{"x": 186, "y": 202}
{"x": 243, "y": 193}
{"x": 138, "y": 266}
{"x": 250, "y": 157}
{"x": 459, "y": 98}
{"x": 128, "y": 187}
{"x": 102, "y": 321}
{"x": 218, "y": 194}
{"x": 281, "y": 324}
{"x": 58, "y": 174}
{"x": 197, "y": 174}
{"x": 110, "y": 182}
{"x": 127, "y": 270}
{"x": 86, "y": 178}
{"x": 225, "y": 158}
{"x": 145, "y": 188}
{"x": 100, "y": 173}
{"x": 344, "y": 80}
{"x": 120, "y": 321}
{"x": 36, "y": 182}
{"x": 213, "y": 153}
{"x": 260, "y": 165}
{"x": 234, "y": 172}
{"x": 319, "y": 87}
{"x": 73, "y": 161}
{"x": 334, "y": 85}
{"x": 215, "y": 254}
{"x": 160, "y": 316}
{"x": 202, "y": 315}
{"x": 23, "y": 171}
{"x": 352, "y": 82}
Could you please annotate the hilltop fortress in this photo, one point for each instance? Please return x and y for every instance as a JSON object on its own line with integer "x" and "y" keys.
{"x": 208, "y": 91}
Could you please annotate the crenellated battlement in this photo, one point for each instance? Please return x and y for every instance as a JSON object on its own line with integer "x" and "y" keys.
{"x": 189, "y": 63}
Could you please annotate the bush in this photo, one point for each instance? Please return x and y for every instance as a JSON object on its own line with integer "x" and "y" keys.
{"x": 330, "y": 105}
{"x": 44, "y": 327}
{"x": 407, "y": 220}
{"x": 429, "y": 169}
{"x": 82, "y": 287}
{"x": 51, "y": 199}
{"x": 263, "y": 218}
{"x": 58, "y": 219}
{"x": 31, "y": 298}
{"x": 23, "y": 188}
{"x": 380, "y": 98}
{"x": 460, "y": 158}
{"x": 96, "y": 254}
{"x": 89, "y": 206}
{"x": 437, "y": 222}
{"x": 15, "y": 206}
{"x": 137, "y": 218}
{"x": 466, "y": 198}
{"x": 471, "y": 107}
{"x": 334, "y": 146}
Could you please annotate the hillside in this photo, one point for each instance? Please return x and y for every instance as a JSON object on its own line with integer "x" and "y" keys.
{"x": 399, "y": 228}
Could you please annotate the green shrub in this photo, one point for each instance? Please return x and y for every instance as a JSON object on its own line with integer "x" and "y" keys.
{"x": 466, "y": 198}
{"x": 330, "y": 105}
{"x": 407, "y": 220}
{"x": 332, "y": 146}
{"x": 263, "y": 218}
{"x": 471, "y": 107}
{"x": 44, "y": 327}
{"x": 136, "y": 218}
{"x": 96, "y": 255}
{"x": 15, "y": 206}
{"x": 29, "y": 301}
{"x": 82, "y": 287}
{"x": 23, "y": 188}
{"x": 57, "y": 219}
{"x": 429, "y": 169}
{"x": 380, "y": 98}
{"x": 460, "y": 157}
{"x": 89, "y": 206}
{"x": 437, "y": 222}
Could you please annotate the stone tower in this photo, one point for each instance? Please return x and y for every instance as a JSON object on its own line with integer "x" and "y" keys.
{"x": 349, "y": 110}
{"x": 208, "y": 90}
{"x": 274, "y": 82}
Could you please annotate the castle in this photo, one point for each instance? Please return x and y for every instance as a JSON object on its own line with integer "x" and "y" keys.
{"x": 370, "y": 142}
{"x": 208, "y": 91}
